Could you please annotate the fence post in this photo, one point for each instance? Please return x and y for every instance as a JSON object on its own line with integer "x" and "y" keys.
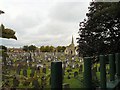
{"x": 87, "y": 72}
{"x": 56, "y": 75}
{"x": 112, "y": 67}
{"x": 117, "y": 57}
{"x": 102, "y": 71}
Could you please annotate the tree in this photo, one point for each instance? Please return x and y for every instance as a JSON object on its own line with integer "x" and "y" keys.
{"x": 3, "y": 53}
{"x": 4, "y": 48}
{"x": 51, "y": 48}
{"x": 42, "y": 49}
{"x": 46, "y": 48}
{"x": 32, "y": 48}
{"x": 100, "y": 32}
{"x": 61, "y": 48}
{"x": 1, "y": 12}
{"x": 7, "y": 33}
{"x": 25, "y": 48}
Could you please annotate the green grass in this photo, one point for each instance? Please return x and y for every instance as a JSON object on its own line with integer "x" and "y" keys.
{"x": 74, "y": 82}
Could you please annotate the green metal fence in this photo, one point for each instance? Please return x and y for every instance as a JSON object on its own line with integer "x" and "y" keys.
{"x": 114, "y": 63}
{"x": 112, "y": 83}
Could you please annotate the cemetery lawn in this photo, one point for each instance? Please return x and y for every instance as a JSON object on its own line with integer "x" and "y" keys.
{"x": 73, "y": 72}
{"x": 76, "y": 82}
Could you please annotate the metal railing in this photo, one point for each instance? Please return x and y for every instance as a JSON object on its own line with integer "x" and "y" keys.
{"x": 113, "y": 83}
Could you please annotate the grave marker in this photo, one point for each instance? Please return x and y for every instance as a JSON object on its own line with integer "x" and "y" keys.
{"x": 15, "y": 82}
{"x": 75, "y": 74}
{"x": 25, "y": 72}
{"x": 35, "y": 84}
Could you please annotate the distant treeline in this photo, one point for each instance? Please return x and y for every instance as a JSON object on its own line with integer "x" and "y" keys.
{"x": 33, "y": 48}
{"x": 44, "y": 48}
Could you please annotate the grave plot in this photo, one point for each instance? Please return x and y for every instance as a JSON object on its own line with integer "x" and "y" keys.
{"x": 33, "y": 70}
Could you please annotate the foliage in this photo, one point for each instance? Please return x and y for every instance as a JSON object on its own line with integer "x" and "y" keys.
{"x": 25, "y": 48}
{"x": 52, "y": 48}
{"x": 3, "y": 48}
{"x": 7, "y": 33}
{"x": 29, "y": 48}
{"x": 46, "y": 48}
{"x": 32, "y": 48}
{"x": 1, "y": 12}
{"x": 100, "y": 32}
{"x": 61, "y": 48}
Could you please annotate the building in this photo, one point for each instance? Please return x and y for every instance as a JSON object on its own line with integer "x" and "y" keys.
{"x": 15, "y": 50}
{"x": 71, "y": 49}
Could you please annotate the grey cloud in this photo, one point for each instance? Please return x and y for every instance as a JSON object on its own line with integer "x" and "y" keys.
{"x": 22, "y": 22}
{"x": 69, "y": 11}
{"x": 53, "y": 26}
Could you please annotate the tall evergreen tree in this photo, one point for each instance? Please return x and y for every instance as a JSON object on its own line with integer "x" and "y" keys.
{"x": 100, "y": 32}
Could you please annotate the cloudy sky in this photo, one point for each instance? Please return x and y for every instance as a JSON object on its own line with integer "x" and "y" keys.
{"x": 43, "y": 22}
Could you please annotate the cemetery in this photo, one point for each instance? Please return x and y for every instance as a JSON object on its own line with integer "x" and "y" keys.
{"x": 32, "y": 70}
{"x": 29, "y": 70}
{"x": 92, "y": 64}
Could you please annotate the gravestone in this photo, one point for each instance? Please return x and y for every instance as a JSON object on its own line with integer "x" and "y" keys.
{"x": 26, "y": 83}
{"x": 68, "y": 70}
{"x": 15, "y": 82}
{"x": 80, "y": 69}
{"x": 94, "y": 70}
{"x": 75, "y": 74}
{"x": 98, "y": 69}
{"x": 38, "y": 70}
{"x": 63, "y": 71}
{"x": 30, "y": 65}
{"x": 50, "y": 80}
{"x": 43, "y": 81}
{"x": 25, "y": 72}
{"x": 18, "y": 69}
{"x": 73, "y": 66}
{"x": 30, "y": 57}
{"x": 77, "y": 65}
{"x": 68, "y": 77}
{"x": 32, "y": 72}
{"x": 44, "y": 70}
{"x": 35, "y": 84}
